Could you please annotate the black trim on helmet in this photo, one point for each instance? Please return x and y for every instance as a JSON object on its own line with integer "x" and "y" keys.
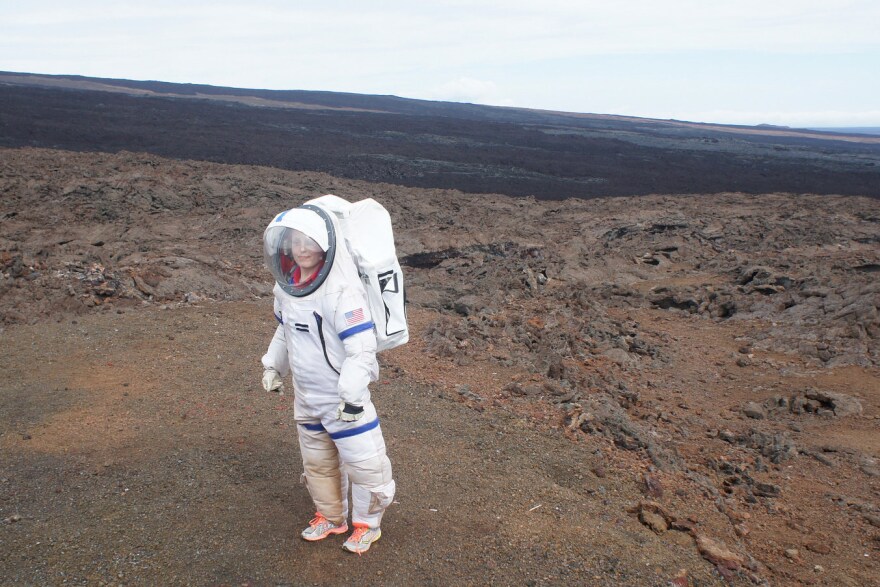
{"x": 299, "y": 292}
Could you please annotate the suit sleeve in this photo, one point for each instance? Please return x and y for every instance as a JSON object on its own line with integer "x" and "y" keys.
{"x": 276, "y": 355}
{"x": 355, "y": 329}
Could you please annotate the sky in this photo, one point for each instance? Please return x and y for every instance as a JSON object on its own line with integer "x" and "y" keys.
{"x": 800, "y": 63}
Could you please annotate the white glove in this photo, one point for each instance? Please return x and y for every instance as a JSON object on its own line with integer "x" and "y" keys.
{"x": 349, "y": 413}
{"x": 272, "y": 381}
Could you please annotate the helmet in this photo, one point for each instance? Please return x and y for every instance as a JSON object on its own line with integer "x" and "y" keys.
{"x": 299, "y": 246}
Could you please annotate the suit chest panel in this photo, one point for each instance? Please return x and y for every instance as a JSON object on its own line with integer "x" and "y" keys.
{"x": 310, "y": 339}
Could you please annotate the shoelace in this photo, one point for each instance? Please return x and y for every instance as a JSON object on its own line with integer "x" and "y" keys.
{"x": 317, "y": 520}
{"x": 357, "y": 536}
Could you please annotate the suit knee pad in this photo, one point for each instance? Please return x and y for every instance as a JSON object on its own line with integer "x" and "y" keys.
{"x": 372, "y": 489}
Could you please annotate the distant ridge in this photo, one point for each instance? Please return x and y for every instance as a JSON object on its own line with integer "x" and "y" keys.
{"x": 364, "y": 102}
{"x": 858, "y": 130}
{"x": 422, "y": 143}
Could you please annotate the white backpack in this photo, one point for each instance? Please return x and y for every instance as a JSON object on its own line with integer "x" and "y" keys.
{"x": 366, "y": 227}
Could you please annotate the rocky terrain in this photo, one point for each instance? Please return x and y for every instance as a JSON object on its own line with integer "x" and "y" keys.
{"x": 662, "y": 390}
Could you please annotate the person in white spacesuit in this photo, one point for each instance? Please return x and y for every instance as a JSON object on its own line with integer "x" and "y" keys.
{"x": 325, "y": 339}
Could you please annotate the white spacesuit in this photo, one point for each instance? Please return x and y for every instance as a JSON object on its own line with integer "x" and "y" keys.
{"x": 325, "y": 338}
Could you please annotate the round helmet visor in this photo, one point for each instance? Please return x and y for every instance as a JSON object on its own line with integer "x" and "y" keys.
{"x": 297, "y": 261}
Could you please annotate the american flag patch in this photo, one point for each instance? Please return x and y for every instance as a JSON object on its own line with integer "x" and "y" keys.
{"x": 354, "y": 317}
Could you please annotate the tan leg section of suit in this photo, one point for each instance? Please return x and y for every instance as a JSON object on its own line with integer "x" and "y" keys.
{"x": 325, "y": 479}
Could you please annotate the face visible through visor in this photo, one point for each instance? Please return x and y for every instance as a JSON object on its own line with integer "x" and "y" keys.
{"x": 296, "y": 260}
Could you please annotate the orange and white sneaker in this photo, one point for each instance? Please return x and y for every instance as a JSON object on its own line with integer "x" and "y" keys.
{"x": 320, "y": 528}
{"x": 361, "y": 539}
